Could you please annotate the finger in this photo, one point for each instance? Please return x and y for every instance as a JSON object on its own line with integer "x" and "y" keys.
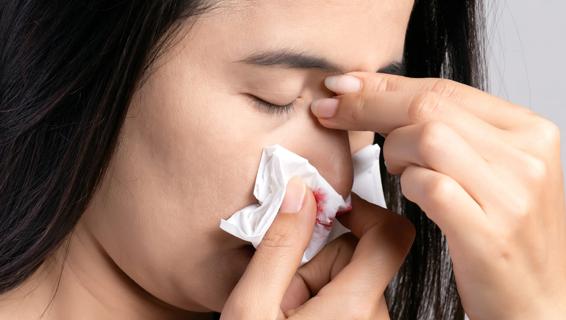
{"x": 276, "y": 259}
{"x": 339, "y": 309}
{"x": 320, "y": 270}
{"x": 384, "y": 240}
{"x": 447, "y": 204}
{"x": 491, "y": 109}
{"x": 384, "y": 111}
{"x": 436, "y": 146}
{"x": 387, "y": 111}
{"x": 495, "y": 185}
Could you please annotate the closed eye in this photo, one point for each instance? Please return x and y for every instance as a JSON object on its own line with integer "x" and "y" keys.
{"x": 268, "y": 107}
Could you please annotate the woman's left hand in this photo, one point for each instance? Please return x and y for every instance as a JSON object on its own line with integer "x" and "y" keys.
{"x": 486, "y": 171}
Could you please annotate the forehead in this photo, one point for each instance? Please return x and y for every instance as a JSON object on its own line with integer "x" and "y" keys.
{"x": 356, "y": 34}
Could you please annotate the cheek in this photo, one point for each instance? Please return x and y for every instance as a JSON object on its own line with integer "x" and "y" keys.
{"x": 200, "y": 146}
{"x": 179, "y": 169}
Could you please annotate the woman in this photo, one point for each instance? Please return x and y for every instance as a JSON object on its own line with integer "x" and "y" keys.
{"x": 129, "y": 129}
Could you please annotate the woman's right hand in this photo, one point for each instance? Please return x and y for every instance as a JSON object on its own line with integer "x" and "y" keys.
{"x": 345, "y": 280}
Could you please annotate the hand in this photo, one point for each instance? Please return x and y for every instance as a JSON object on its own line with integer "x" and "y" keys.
{"x": 486, "y": 171}
{"x": 345, "y": 280}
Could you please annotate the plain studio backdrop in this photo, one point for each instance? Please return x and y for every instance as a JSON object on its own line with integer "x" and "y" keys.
{"x": 526, "y": 53}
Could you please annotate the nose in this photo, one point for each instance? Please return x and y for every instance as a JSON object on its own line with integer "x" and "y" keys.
{"x": 328, "y": 150}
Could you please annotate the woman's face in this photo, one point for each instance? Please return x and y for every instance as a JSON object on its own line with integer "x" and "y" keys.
{"x": 190, "y": 146}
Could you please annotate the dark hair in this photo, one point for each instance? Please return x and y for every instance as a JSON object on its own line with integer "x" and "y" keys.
{"x": 444, "y": 39}
{"x": 68, "y": 70}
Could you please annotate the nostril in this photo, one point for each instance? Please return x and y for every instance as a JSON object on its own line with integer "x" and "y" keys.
{"x": 329, "y": 152}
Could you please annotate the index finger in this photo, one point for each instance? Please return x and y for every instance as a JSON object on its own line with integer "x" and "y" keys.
{"x": 385, "y": 96}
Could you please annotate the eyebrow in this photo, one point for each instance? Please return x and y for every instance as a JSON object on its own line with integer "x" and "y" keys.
{"x": 289, "y": 59}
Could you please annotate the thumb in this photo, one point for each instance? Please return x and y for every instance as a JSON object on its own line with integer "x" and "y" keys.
{"x": 260, "y": 290}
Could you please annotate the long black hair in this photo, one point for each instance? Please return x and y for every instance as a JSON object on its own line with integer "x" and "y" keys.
{"x": 68, "y": 70}
{"x": 444, "y": 39}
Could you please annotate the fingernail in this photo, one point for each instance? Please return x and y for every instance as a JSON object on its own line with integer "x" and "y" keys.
{"x": 324, "y": 108}
{"x": 294, "y": 196}
{"x": 343, "y": 83}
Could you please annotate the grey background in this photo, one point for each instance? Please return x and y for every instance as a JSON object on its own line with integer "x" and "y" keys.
{"x": 526, "y": 53}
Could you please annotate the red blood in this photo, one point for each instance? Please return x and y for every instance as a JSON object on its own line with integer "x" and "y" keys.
{"x": 320, "y": 197}
{"x": 326, "y": 225}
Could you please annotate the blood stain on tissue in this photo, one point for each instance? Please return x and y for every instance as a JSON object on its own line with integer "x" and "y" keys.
{"x": 320, "y": 197}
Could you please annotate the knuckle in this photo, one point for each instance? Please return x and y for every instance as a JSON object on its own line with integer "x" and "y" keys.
{"x": 535, "y": 170}
{"x": 444, "y": 87}
{"x": 440, "y": 187}
{"x": 519, "y": 208}
{"x": 277, "y": 238}
{"x": 358, "y": 107}
{"x": 431, "y": 140}
{"x": 522, "y": 207}
{"x": 423, "y": 106}
{"x": 547, "y": 132}
{"x": 379, "y": 84}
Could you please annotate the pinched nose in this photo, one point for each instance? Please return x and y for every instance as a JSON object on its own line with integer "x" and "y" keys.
{"x": 329, "y": 152}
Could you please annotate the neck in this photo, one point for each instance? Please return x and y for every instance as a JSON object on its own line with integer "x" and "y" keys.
{"x": 80, "y": 281}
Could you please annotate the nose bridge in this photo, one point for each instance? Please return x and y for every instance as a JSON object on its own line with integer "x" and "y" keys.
{"x": 328, "y": 150}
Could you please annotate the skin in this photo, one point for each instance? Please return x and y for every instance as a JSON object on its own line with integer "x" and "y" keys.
{"x": 346, "y": 280}
{"x": 146, "y": 250}
{"x": 149, "y": 245}
{"x": 496, "y": 162}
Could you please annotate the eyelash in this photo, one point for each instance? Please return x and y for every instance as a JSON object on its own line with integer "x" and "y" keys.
{"x": 272, "y": 108}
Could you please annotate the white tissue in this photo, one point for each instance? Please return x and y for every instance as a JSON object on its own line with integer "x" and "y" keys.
{"x": 277, "y": 166}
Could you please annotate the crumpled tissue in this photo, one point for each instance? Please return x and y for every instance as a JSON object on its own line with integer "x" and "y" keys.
{"x": 277, "y": 166}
